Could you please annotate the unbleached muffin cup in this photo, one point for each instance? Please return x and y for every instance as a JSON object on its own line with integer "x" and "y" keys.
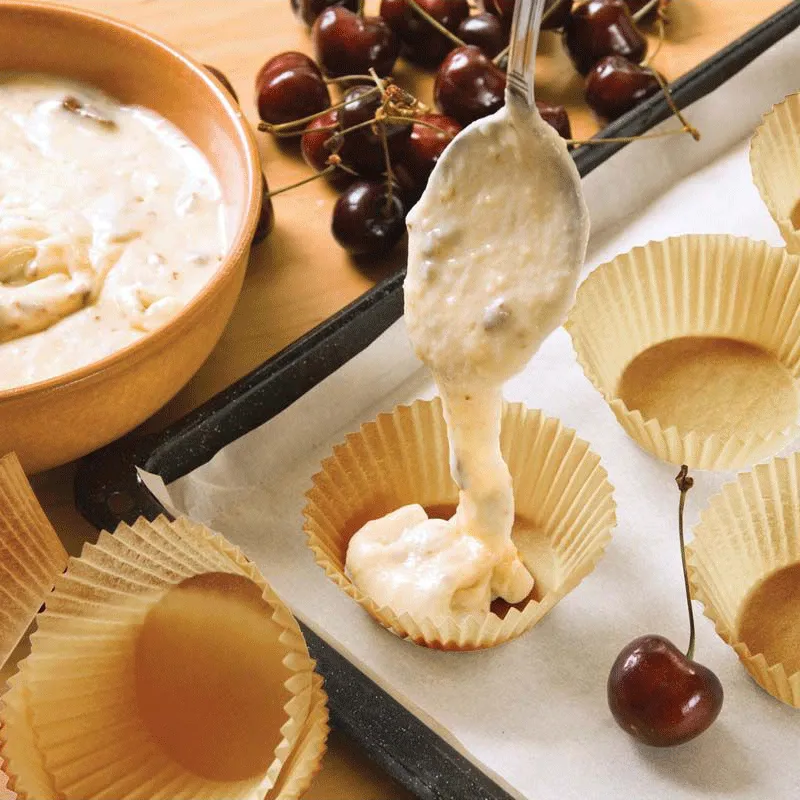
{"x": 565, "y": 511}
{"x": 693, "y": 343}
{"x": 744, "y": 567}
{"x": 31, "y": 555}
{"x": 164, "y": 666}
{"x": 775, "y": 165}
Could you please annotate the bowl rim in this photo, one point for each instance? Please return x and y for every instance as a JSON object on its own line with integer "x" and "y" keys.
{"x": 239, "y": 244}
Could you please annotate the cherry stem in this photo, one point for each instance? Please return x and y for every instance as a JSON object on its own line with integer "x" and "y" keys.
{"x": 498, "y": 59}
{"x": 436, "y": 24}
{"x": 414, "y": 121}
{"x": 685, "y": 482}
{"x": 627, "y": 139}
{"x": 661, "y": 36}
{"x": 284, "y": 126}
{"x": 316, "y": 176}
{"x": 645, "y": 10}
{"x": 687, "y": 126}
{"x": 347, "y": 79}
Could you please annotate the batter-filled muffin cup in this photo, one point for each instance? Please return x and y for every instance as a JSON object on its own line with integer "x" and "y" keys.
{"x": 775, "y": 165}
{"x": 744, "y": 567}
{"x": 692, "y": 341}
{"x": 564, "y": 512}
{"x": 31, "y": 555}
{"x": 164, "y": 666}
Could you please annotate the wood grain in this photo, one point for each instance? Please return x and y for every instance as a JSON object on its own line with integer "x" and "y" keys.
{"x": 298, "y": 277}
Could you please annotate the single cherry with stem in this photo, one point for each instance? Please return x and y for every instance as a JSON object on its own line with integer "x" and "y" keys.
{"x": 289, "y": 87}
{"x": 601, "y": 28}
{"x": 346, "y": 43}
{"x": 656, "y": 693}
{"x": 615, "y": 85}
{"x": 369, "y": 218}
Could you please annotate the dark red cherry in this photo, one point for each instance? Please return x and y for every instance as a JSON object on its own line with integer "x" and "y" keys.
{"x": 309, "y": 10}
{"x": 421, "y": 41}
{"x": 485, "y": 31}
{"x": 425, "y": 145}
{"x": 366, "y": 221}
{"x": 469, "y": 86}
{"x": 347, "y": 44}
{"x": 288, "y": 87}
{"x": 659, "y": 696}
{"x": 503, "y": 8}
{"x": 602, "y": 28}
{"x": 266, "y": 219}
{"x": 315, "y": 137}
{"x": 223, "y": 79}
{"x": 362, "y": 149}
{"x": 556, "y": 117}
{"x": 615, "y": 85}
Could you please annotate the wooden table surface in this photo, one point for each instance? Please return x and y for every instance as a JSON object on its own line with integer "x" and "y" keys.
{"x": 298, "y": 277}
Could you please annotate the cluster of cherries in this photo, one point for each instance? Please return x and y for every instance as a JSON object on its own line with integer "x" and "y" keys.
{"x": 378, "y": 144}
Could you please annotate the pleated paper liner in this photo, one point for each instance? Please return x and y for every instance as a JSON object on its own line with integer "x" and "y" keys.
{"x": 694, "y": 342}
{"x": 565, "y": 511}
{"x": 775, "y": 166}
{"x": 31, "y": 555}
{"x": 744, "y": 567}
{"x": 163, "y": 667}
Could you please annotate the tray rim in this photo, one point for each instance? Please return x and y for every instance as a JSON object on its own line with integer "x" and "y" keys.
{"x": 108, "y": 490}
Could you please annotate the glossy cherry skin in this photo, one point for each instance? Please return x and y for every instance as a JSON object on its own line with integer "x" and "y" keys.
{"x": 485, "y": 31}
{"x": 347, "y": 44}
{"x": 313, "y": 141}
{"x": 309, "y": 10}
{"x": 556, "y": 117}
{"x": 615, "y": 86}
{"x": 602, "y": 28}
{"x": 266, "y": 219}
{"x": 422, "y": 43}
{"x": 425, "y": 145}
{"x": 468, "y": 86}
{"x": 362, "y": 149}
{"x": 659, "y": 696}
{"x": 223, "y": 79}
{"x": 363, "y": 223}
{"x": 289, "y": 87}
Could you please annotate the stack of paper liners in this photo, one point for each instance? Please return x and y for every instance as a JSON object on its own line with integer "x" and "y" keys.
{"x": 714, "y": 299}
{"x": 31, "y": 555}
{"x": 164, "y": 667}
{"x": 564, "y": 506}
{"x": 775, "y": 165}
{"x": 744, "y": 566}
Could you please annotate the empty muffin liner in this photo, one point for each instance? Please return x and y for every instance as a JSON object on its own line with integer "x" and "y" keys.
{"x": 560, "y": 490}
{"x": 749, "y": 532}
{"x": 716, "y": 287}
{"x": 775, "y": 165}
{"x": 31, "y": 555}
{"x": 71, "y": 726}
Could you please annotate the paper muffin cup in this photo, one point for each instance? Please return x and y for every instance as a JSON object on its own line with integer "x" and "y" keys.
{"x": 564, "y": 506}
{"x": 744, "y": 567}
{"x": 775, "y": 165}
{"x": 121, "y": 693}
{"x": 31, "y": 555}
{"x": 692, "y": 341}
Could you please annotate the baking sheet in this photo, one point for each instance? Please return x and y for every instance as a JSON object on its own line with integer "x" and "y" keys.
{"x": 533, "y": 713}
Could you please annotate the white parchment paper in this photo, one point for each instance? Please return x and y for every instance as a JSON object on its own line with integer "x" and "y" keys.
{"x": 533, "y": 713}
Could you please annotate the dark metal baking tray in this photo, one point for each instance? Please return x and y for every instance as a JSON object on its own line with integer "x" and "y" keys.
{"x": 107, "y": 489}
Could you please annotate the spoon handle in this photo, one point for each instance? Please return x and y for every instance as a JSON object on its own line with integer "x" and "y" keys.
{"x": 522, "y": 58}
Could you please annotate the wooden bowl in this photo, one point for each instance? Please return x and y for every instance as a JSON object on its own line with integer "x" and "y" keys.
{"x": 54, "y": 421}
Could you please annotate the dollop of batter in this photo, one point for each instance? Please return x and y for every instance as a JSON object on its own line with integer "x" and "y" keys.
{"x": 496, "y": 244}
{"x": 110, "y": 222}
